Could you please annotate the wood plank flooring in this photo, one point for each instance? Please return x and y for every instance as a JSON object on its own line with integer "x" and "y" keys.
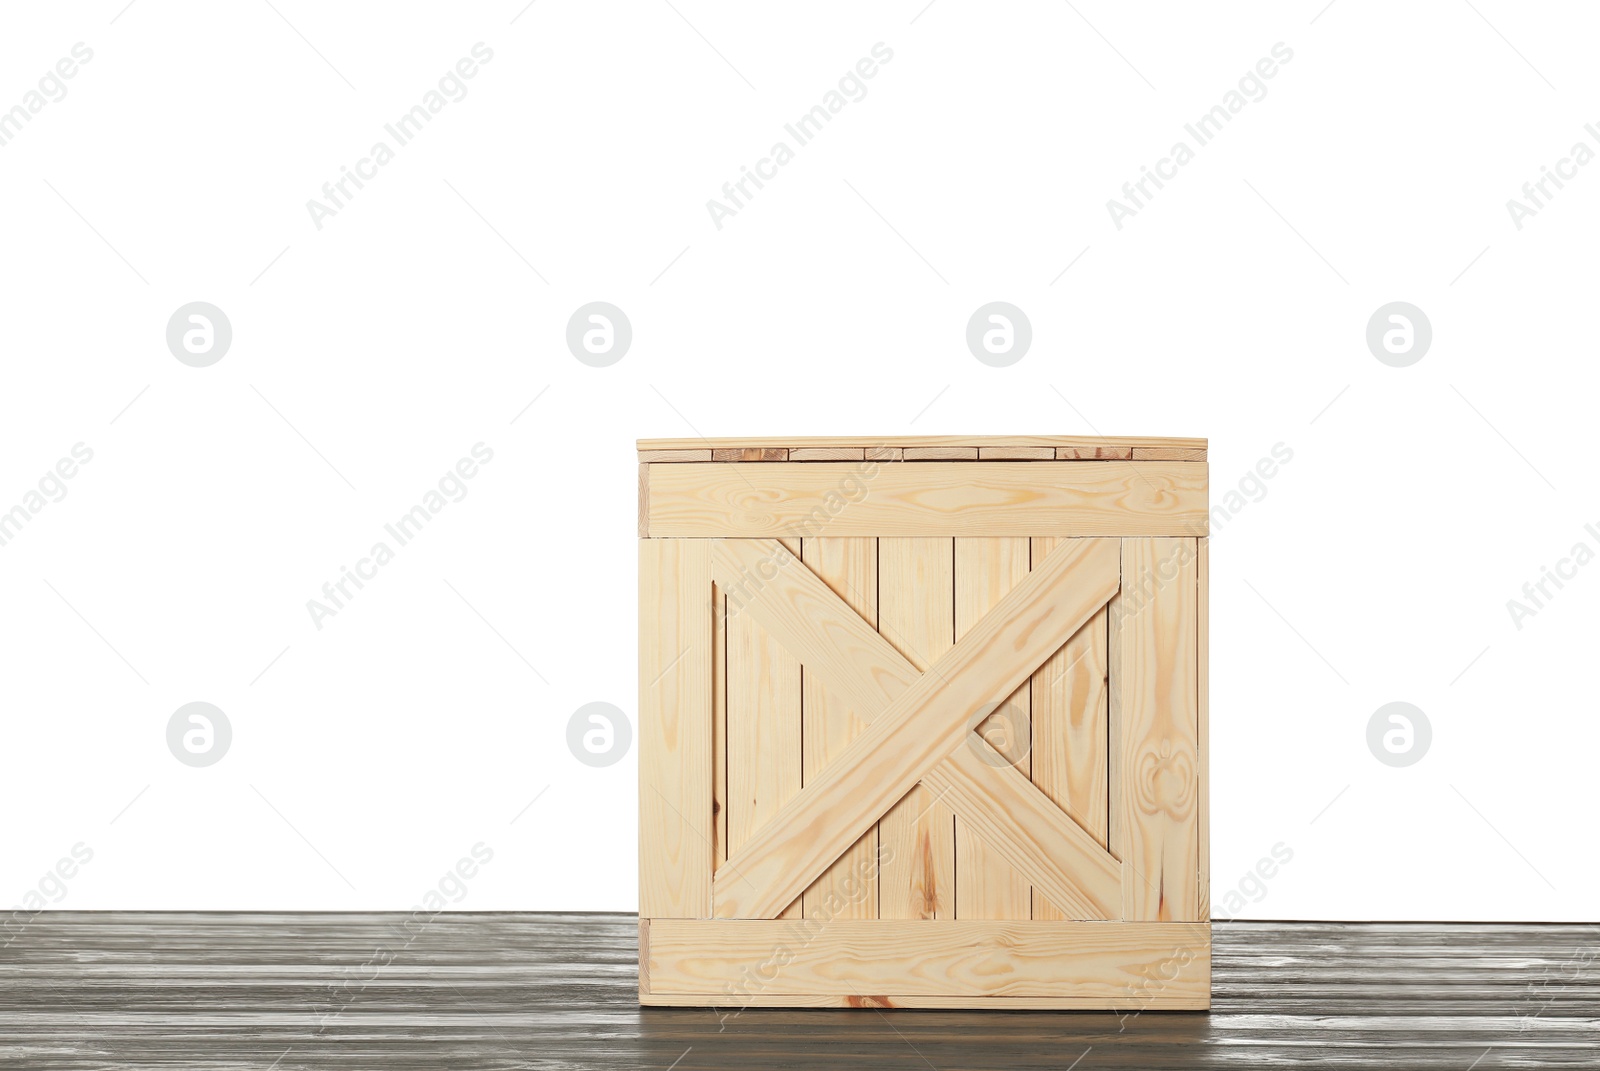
{"x": 82, "y": 990}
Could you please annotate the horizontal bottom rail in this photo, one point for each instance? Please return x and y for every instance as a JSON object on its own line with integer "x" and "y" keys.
{"x": 968, "y": 963}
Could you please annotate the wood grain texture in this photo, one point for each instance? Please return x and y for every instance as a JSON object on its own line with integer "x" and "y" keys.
{"x": 1070, "y": 728}
{"x": 919, "y": 729}
{"x": 978, "y": 1006}
{"x": 988, "y": 887}
{"x": 1016, "y": 453}
{"x": 917, "y": 834}
{"x": 930, "y": 498}
{"x": 1022, "y": 828}
{"x": 1168, "y": 453}
{"x": 1115, "y": 811}
{"x": 1203, "y": 729}
{"x": 1094, "y": 453}
{"x": 940, "y": 453}
{"x": 828, "y": 453}
{"x": 1079, "y": 442}
{"x": 812, "y": 621}
{"x": 1158, "y": 760}
{"x": 764, "y": 729}
{"x": 1070, "y": 732}
{"x": 644, "y": 960}
{"x": 1076, "y": 964}
{"x": 874, "y": 614}
{"x": 719, "y": 724}
{"x": 498, "y": 991}
{"x": 675, "y": 783}
{"x": 849, "y": 567}
{"x": 750, "y": 453}
{"x": 652, "y": 457}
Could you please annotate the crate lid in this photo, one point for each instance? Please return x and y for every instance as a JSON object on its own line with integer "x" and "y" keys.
{"x": 925, "y": 448}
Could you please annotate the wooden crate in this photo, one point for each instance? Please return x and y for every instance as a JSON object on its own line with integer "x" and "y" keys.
{"x": 922, "y": 723}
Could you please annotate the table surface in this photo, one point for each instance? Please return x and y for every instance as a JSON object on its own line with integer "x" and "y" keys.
{"x": 493, "y": 991}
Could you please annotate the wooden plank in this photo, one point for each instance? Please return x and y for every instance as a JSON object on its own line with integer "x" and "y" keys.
{"x": 719, "y": 724}
{"x": 174, "y": 987}
{"x": 1114, "y": 722}
{"x": 916, "y": 731}
{"x": 941, "y": 453}
{"x": 1091, "y": 964}
{"x": 932, "y": 498}
{"x": 1082, "y": 442}
{"x": 750, "y": 453}
{"x": 764, "y": 729}
{"x": 651, "y": 457}
{"x": 829, "y": 453}
{"x": 798, "y": 609}
{"x": 987, "y": 887}
{"x": 1025, "y": 829}
{"x": 1070, "y": 742}
{"x": 984, "y": 1047}
{"x": 1203, "y": 729}
{"x": 884, "y": 453}
{"x": 916, "y": 879}
{"x": 675, "y": 842}
{"x": 1016, "y": 453}
{"x": 1094, "y": 453}
{"x": 849, "y": 567}
{"x": 1168, "y": 453}
{"x": 1158, "y": 756}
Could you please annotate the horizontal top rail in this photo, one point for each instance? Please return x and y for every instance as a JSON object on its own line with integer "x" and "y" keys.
{"x": 925, "y": 448}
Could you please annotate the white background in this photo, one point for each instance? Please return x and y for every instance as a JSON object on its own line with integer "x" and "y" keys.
{"x": 421, "y": 720}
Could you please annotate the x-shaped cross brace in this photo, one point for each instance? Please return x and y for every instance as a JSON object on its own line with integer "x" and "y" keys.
{"x": 918, "y": 729}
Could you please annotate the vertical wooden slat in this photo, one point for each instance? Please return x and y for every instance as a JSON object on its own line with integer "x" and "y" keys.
{"x": 719, "y": 725}
{"x": 764, "y": 736}
{"x": 849, "y": 888}
{"x": 916, "y": 593}
{"x": 988, "y": 887}
{"x": 1202, "y": 736}
{"x": 1157, "y": 757}
{"x": 675, "y": 840}
{"x": 1115, "y": 820}
{"x": 1070, "y": 731}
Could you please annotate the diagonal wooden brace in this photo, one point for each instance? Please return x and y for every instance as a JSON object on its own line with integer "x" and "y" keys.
{"x": 919, "y": 727}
